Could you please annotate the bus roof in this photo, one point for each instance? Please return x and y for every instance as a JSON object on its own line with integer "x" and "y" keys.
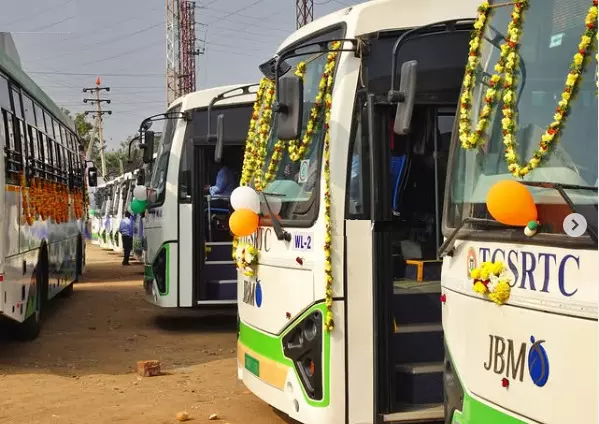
{"x": 14, "y": 71}
{"x": 381, "y": 15}
{"x": 202, "y": 98}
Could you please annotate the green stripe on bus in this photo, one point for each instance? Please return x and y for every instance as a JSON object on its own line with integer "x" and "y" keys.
{"x": 476, "y": 412}
{"x": 271, "y": 347}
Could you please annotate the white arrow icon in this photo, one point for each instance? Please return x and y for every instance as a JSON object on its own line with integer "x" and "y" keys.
{"x": 575, "y": 225}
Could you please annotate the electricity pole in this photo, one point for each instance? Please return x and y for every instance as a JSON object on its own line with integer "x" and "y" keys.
{"x": 98, "y": 115}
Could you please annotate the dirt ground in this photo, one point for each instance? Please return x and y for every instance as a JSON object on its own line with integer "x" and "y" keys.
{"x": 81, "y": 369}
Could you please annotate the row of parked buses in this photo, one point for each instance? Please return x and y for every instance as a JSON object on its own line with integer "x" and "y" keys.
{"x": 382, "y": 288}
{"x": 110, "y": 201}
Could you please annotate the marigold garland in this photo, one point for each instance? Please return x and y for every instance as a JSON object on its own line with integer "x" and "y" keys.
{"x": 506, "y": 67}
{"x": 473, "y": 139}
{"x": 254, "y": 158}
{"x": 492, "y": 279}
{"x": 246, "y": 256}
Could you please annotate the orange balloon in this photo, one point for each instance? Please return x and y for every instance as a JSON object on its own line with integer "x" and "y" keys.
{"x": 243, "y": 222}
{"x": 510, "y": 203}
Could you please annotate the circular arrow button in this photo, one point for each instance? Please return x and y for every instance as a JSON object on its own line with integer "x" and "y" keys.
{"x": 575, "y": 225}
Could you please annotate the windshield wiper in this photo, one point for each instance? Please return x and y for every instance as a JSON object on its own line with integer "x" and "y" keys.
{"x": 560, "y": 188}
{"x": 447, "y": 248}
{"x": 276, "y": 224}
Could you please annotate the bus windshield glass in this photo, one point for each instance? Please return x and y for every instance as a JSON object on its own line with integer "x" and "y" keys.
{"x": 295, "y": 183}
{"x": 550, "y": 36}
{"x": 160, "y": 168}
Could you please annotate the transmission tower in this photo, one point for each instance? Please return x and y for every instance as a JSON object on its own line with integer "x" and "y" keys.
{"x": 304, "y": 12}
{"x": 188, "y": 49}
{"x": 172, "y": 50}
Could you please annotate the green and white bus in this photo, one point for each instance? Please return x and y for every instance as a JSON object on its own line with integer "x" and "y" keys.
{"x": 519, "y": 361}
{"x": 364, "y": 238}
{"x": 43, "y": 205}
{"x": 185, "y": 230}
{"x": 358, "y": 215}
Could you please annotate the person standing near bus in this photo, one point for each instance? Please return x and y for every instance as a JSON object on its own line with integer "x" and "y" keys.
{"x": 126, "y": 230}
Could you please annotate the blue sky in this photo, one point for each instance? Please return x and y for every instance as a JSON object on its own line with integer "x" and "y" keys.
{"x": 66, "y": 44}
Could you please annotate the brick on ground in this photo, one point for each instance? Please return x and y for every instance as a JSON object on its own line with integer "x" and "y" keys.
{"x": 148, "y": 368}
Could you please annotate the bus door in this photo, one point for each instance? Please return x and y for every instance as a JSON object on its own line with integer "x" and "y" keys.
{"x": 213, "y": 269}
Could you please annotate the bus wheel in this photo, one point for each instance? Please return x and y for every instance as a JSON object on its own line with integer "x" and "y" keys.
{"x": 29, "y": 329}
{"x": 67, "y": 291}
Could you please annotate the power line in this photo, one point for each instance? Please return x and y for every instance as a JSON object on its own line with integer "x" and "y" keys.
{"x": 103, "y": 43}
{"x": 29, "y": 16}
{"x": 106, "y": 74}
{"x": 53, "y": 24}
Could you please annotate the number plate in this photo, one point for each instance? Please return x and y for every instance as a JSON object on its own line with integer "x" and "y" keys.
{"x": 252, "y": 365}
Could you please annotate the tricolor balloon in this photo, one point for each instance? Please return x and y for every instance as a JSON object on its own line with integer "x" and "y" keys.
{"x": 246, "y": 203}
{"x": 140, "y": 200}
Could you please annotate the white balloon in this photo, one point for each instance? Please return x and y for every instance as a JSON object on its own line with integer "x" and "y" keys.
{"x": 274, "y": 203}
{"x": 140, "y": 193}
{"x": 245, "y": 197}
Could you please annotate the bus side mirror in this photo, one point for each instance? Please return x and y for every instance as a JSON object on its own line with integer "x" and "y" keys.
{"x": 220, "y": 138}
{"x": 289, "y": 107}
{"x": 405, "y": 106}
{"x": 92, "y": 177}
{"x": 148, "y": 146}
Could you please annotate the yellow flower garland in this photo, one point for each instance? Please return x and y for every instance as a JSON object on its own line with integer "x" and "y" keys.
{"x": 507, "y": 66}
{"x": 473, "y": 139}
{"x": 492, "y": 280}
{"x": 246, "y": 256}
{"x": 554, "y": 128}
{"x": 254, "y": 158}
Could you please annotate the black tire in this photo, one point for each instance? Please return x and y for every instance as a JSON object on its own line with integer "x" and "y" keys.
{"x": 29, "y": 329}
{"x": 68, "y": 290}
{"x": 79, "y": 259}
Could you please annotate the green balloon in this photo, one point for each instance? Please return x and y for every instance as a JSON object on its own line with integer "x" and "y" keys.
{"x": 138, "y": 206}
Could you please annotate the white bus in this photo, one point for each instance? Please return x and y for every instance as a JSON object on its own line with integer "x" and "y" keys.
{"x": 187, "y": 241}
{"x": 518, "y": 362}
{"x": 341, "y": 322}
{"x": 106, "y": 215}
{"x": 43, "y": 206}
{"x": 100, "y": 194}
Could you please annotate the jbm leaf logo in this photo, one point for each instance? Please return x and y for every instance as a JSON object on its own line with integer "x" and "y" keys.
{"x": 538, "y": 362}
{"x": 252, "y": 293}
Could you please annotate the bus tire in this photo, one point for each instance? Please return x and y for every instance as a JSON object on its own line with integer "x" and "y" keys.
{"x": 79, "y": 259}
{"x": 29, "y": 329}
{"x": 68, "y": 290}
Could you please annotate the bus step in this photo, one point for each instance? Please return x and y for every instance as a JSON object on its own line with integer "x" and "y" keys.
{"x": 415, "y": 302}
{"x": 420, "y": 383}
{"x": 429, "y": 413}
{"x": 220, "y": 270}
{"x": 418, "y": 343}
{"x": 219, "y": 251}
{"x": 420, "y": 270}
{"x": 222, "y": 289}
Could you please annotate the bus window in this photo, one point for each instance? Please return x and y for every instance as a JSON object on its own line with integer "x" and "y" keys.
{"x": 4, "y": 94}
{"x": 185, "y": 171}
{"x": 57, "y": 136}
{"x": 358, "y": 177}
{"x": 49, "y": 127}
{"x": 16, "y": 99}
{"x": 39, "y": 117}
{"x": 28, "y": 109}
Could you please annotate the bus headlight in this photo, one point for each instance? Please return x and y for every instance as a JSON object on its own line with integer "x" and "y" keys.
{"x": 303, "y": 345}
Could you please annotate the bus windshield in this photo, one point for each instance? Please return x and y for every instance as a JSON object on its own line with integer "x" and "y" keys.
{"x": 158, "y": 180}
{"x": 550, "y": 36}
